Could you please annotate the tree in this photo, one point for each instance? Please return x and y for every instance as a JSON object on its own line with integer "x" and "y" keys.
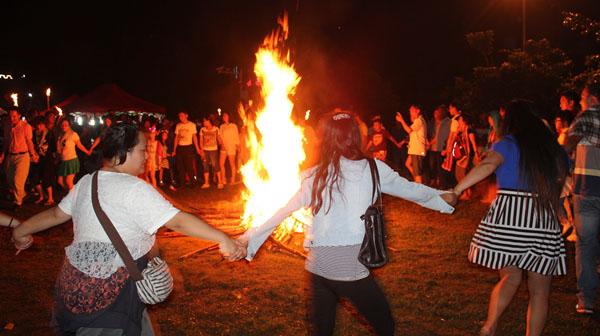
{"x": 483, "y": 42}
{"x": 586, "y": 27}
{"x": 535, "y": 73}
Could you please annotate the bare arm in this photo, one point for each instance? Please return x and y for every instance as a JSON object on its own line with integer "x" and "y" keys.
{"x": 198, "y": 147}
{"x": 82, "y": 147}
{"x": 474, "y": 146}
{"x": 96, "y": 143}
{"x": 31, "y": 149}
{"x": 195, "y": 227}
{"x": 40, "y": 222}
{"x": 400, "y": 119}
{"x": 175, "y": 142}
{"x": 481, "y": 171}
{"x": 391, "y": 138}
{"x": 7, "y": 220}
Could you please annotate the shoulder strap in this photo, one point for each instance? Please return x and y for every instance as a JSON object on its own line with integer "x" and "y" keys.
{"x": 375, "y": 180}
{"x": 112, "y": 233}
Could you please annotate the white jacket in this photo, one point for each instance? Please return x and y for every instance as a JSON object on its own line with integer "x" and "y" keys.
{"x": 342, "y": 224}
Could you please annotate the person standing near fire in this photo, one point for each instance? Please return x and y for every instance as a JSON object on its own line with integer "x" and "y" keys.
{"x": 210, "y": 140}
{"x": 417, "y": 133}
{"x": 339, "y": 189}
{"x": 184, "y": 146}
{"x": 378, "y": 139}
{"x": 20, "y": 151}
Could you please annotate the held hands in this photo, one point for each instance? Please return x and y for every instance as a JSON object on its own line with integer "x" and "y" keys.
{"x": 232, "y": 250}
{"x": 21, "y": 242}
{"x": 451, "y": 198}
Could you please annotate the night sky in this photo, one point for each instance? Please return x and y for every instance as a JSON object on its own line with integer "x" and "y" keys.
{"x": 374, "y": 56}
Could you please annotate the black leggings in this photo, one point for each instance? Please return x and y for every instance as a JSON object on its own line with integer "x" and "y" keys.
{"x": 364, "y": 294}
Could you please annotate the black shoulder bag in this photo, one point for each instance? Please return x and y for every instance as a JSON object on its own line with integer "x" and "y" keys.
{"x": 372, "y": 251}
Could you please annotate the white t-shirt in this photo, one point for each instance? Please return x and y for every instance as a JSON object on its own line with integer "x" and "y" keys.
{"x": 185, "y": 133}
{"x": 230, "y": 135}
{"x": 418, "y": 137}
{"x": 66, "y": 145}
{"x": 136, "y": 210}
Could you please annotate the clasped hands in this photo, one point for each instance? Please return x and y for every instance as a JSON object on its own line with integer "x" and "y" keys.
{"x": 21, "y": 242}
{"x": 233, "y": 250}
{"x": 450, "y": 197}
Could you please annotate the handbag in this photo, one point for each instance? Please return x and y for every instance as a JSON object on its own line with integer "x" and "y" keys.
{"x": 372, "y": 251}
{"x": 458, "y": 150}
{"x": 155, "y": 282}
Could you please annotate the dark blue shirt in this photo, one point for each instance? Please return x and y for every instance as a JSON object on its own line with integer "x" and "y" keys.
{"x": 507, "y": 174}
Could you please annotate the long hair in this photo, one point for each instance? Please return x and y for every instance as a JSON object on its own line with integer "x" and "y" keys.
{"x": 339, "y": 137}
{"x": 543, "y": 162}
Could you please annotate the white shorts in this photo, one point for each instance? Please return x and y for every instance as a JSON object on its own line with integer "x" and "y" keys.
{"x": 231, "y": 149}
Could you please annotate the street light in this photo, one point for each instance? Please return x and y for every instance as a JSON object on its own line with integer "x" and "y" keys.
{"x": 524, "y": 25}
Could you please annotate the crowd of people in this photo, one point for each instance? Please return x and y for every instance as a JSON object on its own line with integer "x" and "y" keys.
{"x": 544, "y": 169}
{"x": 42, "y": 153}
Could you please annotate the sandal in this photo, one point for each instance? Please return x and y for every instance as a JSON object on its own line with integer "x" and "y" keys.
{"x": 49, "y": 203}
{"x": 38, "y": 201}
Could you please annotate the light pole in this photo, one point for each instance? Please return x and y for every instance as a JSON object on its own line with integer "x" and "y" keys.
{"x": 524, "y": 25}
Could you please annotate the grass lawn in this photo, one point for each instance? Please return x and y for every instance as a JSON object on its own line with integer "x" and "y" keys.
{"x": 432, "y": 288}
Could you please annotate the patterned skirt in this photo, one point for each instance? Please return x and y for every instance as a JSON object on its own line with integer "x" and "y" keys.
{"x": 513, "y": 234}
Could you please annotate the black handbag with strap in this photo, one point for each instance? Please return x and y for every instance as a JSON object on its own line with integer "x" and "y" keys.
{"x": 372, "y": 251}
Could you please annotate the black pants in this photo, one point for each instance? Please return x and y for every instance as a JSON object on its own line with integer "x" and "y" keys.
{"x": 435, "y": 168}
{"x": 364, "y": 294}
{"x": 185, "y": 163}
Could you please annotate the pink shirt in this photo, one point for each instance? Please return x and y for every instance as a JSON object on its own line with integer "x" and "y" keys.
{"x": 19, "y": 134}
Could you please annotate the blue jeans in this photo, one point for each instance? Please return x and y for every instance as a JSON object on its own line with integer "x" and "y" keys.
{"x": 587, "y": 223}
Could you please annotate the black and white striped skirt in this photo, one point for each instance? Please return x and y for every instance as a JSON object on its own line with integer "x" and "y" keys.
{"x": 512, "y": 234}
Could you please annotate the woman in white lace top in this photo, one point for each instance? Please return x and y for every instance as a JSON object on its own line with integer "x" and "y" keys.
{"x": 94, "y": 290}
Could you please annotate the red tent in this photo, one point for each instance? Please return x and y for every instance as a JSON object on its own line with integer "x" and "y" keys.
{"x": 67, "y": 101}
{"x": 111, "y": 98}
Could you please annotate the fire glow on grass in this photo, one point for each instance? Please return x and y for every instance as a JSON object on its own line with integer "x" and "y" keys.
{"x": 272, "y": 174}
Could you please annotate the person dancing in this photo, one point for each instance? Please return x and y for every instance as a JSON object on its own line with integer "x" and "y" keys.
{"x": 339, "y": 190}
{"x": 521, "y": 233}
{"x": 94, "y": 294}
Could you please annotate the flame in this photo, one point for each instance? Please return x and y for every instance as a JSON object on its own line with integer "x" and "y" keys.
{"x": 15, "y": 98}
{"x": 48, "y": 92}
{"x": 307, "y": 115}
{"x": 60, "y": 113}
{"x": 272, "y": 174}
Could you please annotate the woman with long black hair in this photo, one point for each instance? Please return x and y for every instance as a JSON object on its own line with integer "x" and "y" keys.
{"x": 338, "y": 189}
{"x": 520, "y": 232}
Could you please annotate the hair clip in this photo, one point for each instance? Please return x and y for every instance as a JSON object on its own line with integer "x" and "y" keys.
{"x": 341, "y": 116}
